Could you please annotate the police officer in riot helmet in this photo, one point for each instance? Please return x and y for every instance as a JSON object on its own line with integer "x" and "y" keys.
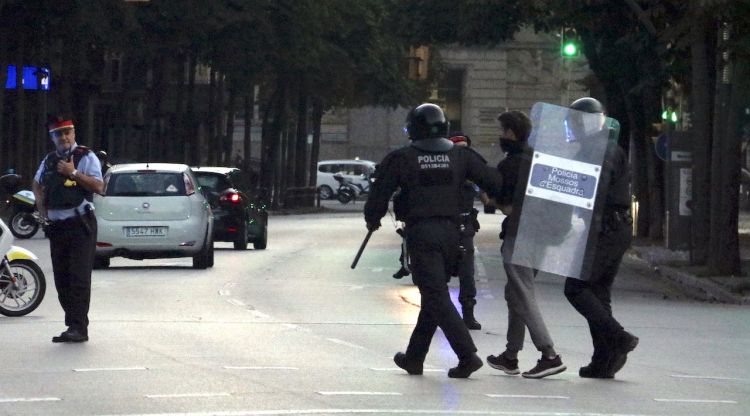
{"x": 429, "y": 173}
{"x": 611, "y": 235}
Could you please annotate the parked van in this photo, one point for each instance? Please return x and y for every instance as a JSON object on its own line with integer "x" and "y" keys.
{"x": 354, "y": 170}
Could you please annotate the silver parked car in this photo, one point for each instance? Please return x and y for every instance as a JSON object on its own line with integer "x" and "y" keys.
{"x": 153, "y": 210}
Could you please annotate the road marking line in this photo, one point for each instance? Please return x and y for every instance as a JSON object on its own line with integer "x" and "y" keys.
{"x": 225, "y": 292}
{"x": 524, "y": 396}
{"x": 377, "y": 411}
{"x": 348, "y": 344}
{"x": 181, "y": 395}
{"x": 297, "y": 327}
{"x": 85, "y": 370}
{"x": 259, "y": 314}
{"x": 30, "y": 399}
{"x": 236, "y": 302}
{"x": 232, "y": 367}
{"x": 434, "y": 370}
{"x": 356, "y": 287}
{"x": 695, "y": 401}
{"x": 359, "y": 393}
{"x": 708, "y": 377}
{"x": 377, "y": 269}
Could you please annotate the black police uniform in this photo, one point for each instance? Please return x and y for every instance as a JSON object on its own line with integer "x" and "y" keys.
{"x": 72, "y": 241}
{"x": 430, "y": 177}
{"x": 592, "y": 297}
{"x": 469, "y": 226}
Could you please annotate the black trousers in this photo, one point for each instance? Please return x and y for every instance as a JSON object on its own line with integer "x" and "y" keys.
{"x": 593, "y": 298}
{"x": 467, "y": 292}
{"x": 72, "y": 244}
{"x": 433, "y": 247}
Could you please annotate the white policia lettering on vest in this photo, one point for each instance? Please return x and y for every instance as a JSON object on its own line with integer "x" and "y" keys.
{"x": 433, "y": 161}
{"x": 564, "y": 181}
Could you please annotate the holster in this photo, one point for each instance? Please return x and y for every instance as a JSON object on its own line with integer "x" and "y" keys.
{"x": 615, "y": 219}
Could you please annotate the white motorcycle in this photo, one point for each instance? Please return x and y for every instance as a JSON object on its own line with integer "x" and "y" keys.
{"x": 22, "y": 283}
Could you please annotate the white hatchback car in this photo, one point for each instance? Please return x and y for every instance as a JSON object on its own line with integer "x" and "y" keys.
{"x": 153, "y": 210}
{"x": 353, "y": 170}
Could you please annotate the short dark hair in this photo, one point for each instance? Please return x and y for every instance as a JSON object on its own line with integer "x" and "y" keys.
{"x": 518, "y": 122}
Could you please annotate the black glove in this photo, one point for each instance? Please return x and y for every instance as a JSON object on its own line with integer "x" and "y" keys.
{"x": 372, "y": 226}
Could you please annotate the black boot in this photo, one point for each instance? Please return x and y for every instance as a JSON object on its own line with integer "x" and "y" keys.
{"x": 469, "y": 320}
{"x": 466, "y": 366}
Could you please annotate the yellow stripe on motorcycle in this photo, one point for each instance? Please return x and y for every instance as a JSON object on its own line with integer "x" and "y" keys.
{"x": 20, "y": 253}
{"x": 23, "y": 199}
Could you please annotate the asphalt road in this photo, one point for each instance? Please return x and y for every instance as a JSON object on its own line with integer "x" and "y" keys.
{"x": 293, "y": 330}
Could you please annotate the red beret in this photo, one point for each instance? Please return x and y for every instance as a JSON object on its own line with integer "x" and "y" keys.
{"x": 457, "y": 139}
{"x": 60, "y": 124}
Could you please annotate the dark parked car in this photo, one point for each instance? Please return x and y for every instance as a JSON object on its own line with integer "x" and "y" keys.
{"x": 239, "y": 214}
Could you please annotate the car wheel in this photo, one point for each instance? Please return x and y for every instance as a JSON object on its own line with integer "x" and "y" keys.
{"x": 204, "y": 258}
{"x": 101, "y": 262}
{"x": 260, "y": 243}
{"x": 211, "y": 253}
{"x": 325, "y": 192}
{"x": 240, "y": 242}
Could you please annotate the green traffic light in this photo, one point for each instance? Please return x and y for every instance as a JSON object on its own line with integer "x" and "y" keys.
{"x": 570, "y": 49}
{"x": 674, "y": 117}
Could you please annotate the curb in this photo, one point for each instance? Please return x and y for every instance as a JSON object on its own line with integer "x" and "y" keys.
{"x": 700, "y": 288}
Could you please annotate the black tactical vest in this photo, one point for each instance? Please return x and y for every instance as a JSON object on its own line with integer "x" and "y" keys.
{"x": 61, "y": 192}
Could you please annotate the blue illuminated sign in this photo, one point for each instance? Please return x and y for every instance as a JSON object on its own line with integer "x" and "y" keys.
{"x": 34, "y": 78}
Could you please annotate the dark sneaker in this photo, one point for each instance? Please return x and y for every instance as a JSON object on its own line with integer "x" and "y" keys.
{"x": 501, "y": 363}
{"x": 546, "y": 367}
{"x": 465, "y": 367}
{"x": 594, "y": 370}
{"x": 71, "y": 335}
{"x": 414, "y": 369}
{"x": 624, "y": 342}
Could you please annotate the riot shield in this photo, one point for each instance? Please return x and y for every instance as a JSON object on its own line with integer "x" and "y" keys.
{"x": 563, "y": 189}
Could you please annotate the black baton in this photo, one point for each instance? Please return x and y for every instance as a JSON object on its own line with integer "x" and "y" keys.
{"x": 361, "y": 249}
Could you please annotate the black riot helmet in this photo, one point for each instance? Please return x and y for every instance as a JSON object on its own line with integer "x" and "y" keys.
{"x": 587, "y": 105}
{"x": 579, "y": 125}
{"x": 426, "y": 121}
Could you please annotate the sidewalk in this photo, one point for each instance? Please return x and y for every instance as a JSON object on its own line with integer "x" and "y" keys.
{"x": 674, "y": 267}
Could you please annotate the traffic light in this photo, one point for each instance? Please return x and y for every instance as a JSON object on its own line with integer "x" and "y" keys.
{"x": 670, "y": 115}
{"x": 570, "y": 45}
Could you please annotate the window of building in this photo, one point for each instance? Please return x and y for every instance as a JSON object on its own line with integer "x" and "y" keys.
{"x": 450, "y": 91}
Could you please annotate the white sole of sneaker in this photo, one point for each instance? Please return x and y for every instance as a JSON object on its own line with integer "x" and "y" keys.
{"x": 548, "y": 372}
{"x": 505, "y": 370}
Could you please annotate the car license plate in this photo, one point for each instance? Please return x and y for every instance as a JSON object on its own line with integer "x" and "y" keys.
{"x": 145, "y": 231}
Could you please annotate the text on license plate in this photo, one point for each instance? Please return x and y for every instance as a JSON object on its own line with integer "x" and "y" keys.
{"x": 145, "y": 231}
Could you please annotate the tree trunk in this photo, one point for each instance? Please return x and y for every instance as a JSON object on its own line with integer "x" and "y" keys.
{"x": 229, "y": 138}
{"x": 246, "y": 134}
{"x": 302, "y": 160}
{"x": 702, "y": 44}
{"x": 211, "y": 120}
{"x": 317, "y": 119}
{"x": 723, "y": 251}
{"x": 178, "y": 142}
{"x": 20, "y": 138}
{"x": 4, "y": 140}
{"x": 219, "y": 116}
{"x": 193, "y": 137}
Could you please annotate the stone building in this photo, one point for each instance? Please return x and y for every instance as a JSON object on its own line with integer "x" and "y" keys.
{"x": 479, "y": 83}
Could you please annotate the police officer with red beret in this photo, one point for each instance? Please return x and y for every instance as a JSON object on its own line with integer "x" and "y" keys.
{"x": 64, "y": 185}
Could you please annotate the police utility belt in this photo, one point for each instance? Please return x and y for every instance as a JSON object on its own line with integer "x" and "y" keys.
{"x": 87, "y": 211}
